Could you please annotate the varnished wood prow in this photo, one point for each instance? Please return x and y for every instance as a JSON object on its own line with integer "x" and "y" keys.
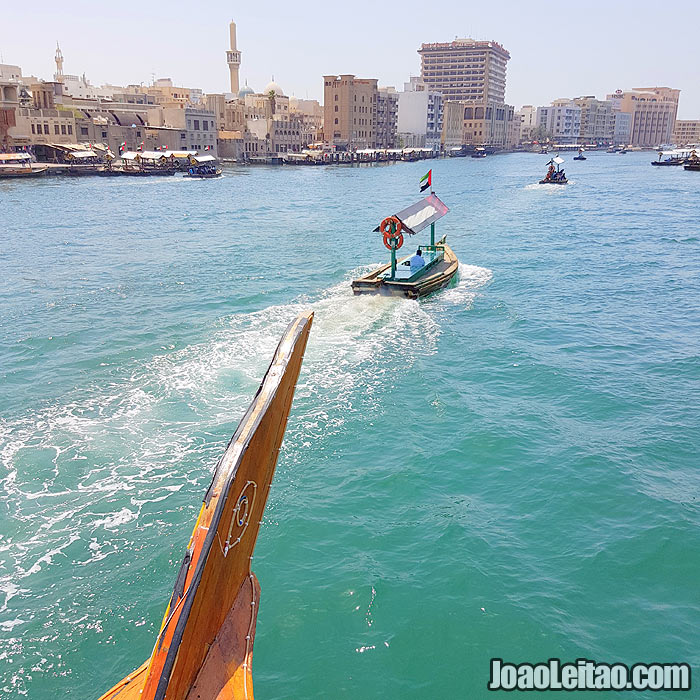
{"x": 204, "y": 648}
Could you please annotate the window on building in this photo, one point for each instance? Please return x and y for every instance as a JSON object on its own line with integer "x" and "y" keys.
{"x": 196, "y": 124}
{"x": 183, "y": 137}
{"x": 70, "y": 130}
{"x": 205, "y": 126}
{"x": 104, "y": 134}
{"x": 55, "y": 129}
{"x": 34, "y": 128}
{"x": 46, "y": 129}
{"x": 63, "y": 129}
{"x": 336, "y": 97}
{"x": 336, "y": 120}
{"x": 83, "y": 131}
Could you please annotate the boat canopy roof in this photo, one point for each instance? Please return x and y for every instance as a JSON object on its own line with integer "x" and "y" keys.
{"x": 152, "y": 155}
{"x": 203, "y": 159}
{"x": 679, "y": 151}
{"x": 421, "y": 214}
{"x": 558, "y": 160}
{"x": 83, "y": 154}
{"x": 4, "y": 157}
{"x": 178, "y": 154}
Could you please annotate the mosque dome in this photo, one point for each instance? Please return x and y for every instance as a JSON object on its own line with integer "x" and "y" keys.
{"x": 246, "y": 90}
{"x": 274, "y": 86}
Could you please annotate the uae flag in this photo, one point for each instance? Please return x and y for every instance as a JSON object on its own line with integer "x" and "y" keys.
{"x": 426, "y": 181}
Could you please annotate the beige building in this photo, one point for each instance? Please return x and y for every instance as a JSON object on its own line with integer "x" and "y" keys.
{"x": 653, "y": 113}
{"x": 474, "y": 73}
{"x": 452, "y": 124}
{"x": 686, "y": 132}
{"x": 387, "y": 117}
{"x": 349, "y": 111}
{"x": 597, "y": 120}
{"x": 264, "y": 124}
{"x": 465, "y": 70}
{"x": 310, "y": 115}
{"x": 525, "y": 123}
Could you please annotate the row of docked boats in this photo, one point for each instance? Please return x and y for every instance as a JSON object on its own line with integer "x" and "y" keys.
{"x": 687, "y": 157}
{"x": 147, "y": 163}
{"x": 320, "y": 156}
{"x": 135, "y": 164}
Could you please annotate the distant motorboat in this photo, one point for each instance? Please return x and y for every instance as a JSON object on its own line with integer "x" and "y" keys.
{"x": 580, "y": 155}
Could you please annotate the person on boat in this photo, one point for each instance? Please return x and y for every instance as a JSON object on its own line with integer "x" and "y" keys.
{"x": 550, "y": 172}
{"x": 417, "y": 260}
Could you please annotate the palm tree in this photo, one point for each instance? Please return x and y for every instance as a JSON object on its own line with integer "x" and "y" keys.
{"x": 271, "y": 96}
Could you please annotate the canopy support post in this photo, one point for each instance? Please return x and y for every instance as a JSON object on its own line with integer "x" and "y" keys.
{"x": 393, "y": 258}
{"x": 432, "y": 234}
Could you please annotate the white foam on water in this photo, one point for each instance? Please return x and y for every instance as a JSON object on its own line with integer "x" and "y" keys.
{"x": 471, "y": 278}
{"x": 547, "y": 187}
{"x": 114, "y": 521}
{"x": 110, "y": 450}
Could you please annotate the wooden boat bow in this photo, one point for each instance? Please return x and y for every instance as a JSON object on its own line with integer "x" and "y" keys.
{"x": 205, "y": 645}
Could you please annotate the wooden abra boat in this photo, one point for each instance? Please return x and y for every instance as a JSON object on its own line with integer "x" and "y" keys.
{"x": 203, "y": 167}
{"x": 19, "y": 165}
{"x": 204, "y": 648}
{"x": 554, "y": 176}
{"x": 693, "y": 162}
{"x": 676, "y": 157}
{"x": 430, "y": 269}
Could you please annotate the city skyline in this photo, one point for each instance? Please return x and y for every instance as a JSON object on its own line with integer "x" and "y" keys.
{"x": 566, "y": 56}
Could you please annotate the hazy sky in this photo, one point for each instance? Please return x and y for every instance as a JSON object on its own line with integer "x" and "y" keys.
{"x": 558, "y": 49}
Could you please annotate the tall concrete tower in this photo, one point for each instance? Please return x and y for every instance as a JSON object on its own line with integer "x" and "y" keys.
{"x": 59, "y": 65}
{"x": 233, "y": 58}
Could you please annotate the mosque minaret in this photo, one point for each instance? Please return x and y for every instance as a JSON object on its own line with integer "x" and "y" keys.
{"x": 233, "y": 58}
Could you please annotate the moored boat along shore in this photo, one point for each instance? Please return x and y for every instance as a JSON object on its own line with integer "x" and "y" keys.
{"x": 92, "y": 159}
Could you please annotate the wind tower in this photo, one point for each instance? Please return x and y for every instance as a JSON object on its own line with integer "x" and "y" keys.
{"x": 233, "y": 58}
{"x": 58, "y": 77}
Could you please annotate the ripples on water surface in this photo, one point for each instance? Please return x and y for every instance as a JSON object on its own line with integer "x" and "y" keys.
{"x": 508, "y": 468}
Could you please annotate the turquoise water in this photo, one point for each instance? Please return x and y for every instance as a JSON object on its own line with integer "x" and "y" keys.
{"x": 508, "y": 468}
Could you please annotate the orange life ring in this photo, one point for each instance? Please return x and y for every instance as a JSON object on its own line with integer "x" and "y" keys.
{"x": 385, "y": 227}
{"x": 398, "y": 238}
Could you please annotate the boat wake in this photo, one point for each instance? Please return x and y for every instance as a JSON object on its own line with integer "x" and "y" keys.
{"x": 548, "y": 187}
{"x": 471, "y": 278}
{"x": 86, "y": 477}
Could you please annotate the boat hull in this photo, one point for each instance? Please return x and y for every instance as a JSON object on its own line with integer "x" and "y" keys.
{"x": 23, "y": 172}
{"x": 692, "y": 166}
{"x": 437, "y": 278}
{"x": 204, "y": 176}
{"x": 205, "y": 645}
{"x": 554, "y": 182}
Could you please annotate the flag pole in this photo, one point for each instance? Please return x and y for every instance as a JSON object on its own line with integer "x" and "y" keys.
{"x": 432, "y": 226}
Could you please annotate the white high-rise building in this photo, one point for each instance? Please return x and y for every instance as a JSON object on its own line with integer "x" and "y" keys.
{"x": 420, "y": 115}
{"x": 233, "y": 58}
